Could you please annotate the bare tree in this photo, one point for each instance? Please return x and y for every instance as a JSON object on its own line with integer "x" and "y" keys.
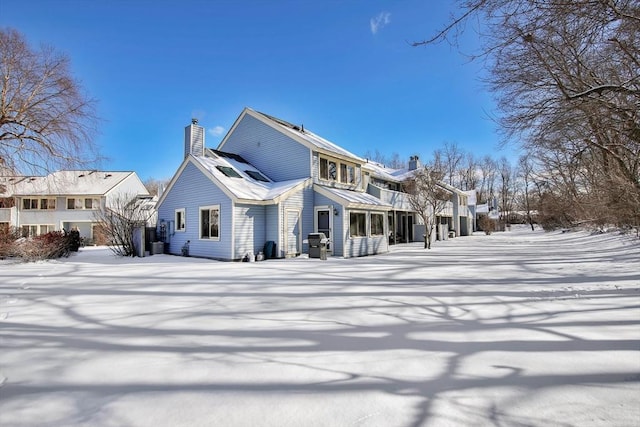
{"x": 393, "y": 162}
{"x": 119, "y": 220}
{"x": 427, "y": 198}
{"x": 507, "y": 189}
{"x": 46, "y": 122}
{"x": 452, "y": 157}
{"x": 566, "y": 75}
{"x": 468, "y": 172}
{"x": 527, "y": 174}
{"x": 156, "y": 186}
{"x": 488, "y": 170}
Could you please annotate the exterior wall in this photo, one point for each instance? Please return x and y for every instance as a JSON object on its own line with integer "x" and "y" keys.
{"x": 249, "y": 230}
{"x": 397, "y": 199}
{"x": 302, "y": 201}
{"x": 129, "y": 187}
{"x": 369, "y": 245}
{"x": 191, "y": 190}
{"x": 272, "y": 230}
{"x": 281, "y": 158}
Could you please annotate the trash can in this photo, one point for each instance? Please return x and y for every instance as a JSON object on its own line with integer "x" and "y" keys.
{"x": 317, "y": 245}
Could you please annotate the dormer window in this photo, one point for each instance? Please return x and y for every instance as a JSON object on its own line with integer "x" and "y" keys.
{"x": 332, "y": 170}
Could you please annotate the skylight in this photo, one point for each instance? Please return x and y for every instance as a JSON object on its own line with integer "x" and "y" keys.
{"x": 228, "y": 171}
{"x": 257, "y": 176}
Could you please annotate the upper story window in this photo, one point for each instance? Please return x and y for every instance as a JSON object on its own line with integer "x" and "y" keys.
{"x": 47, "y": 204}
{"x": 332, "y": 170}
{"x": 79, "y": 203}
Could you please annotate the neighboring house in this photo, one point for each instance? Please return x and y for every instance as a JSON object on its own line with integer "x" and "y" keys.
{"x": 455, "y": 219}
{"x": 64, "y": 200}
{"x": 273, "y": 181}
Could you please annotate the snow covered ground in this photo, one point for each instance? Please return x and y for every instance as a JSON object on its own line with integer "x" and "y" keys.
{"x": 514, "y": 329}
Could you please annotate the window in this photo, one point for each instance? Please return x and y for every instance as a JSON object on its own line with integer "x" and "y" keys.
{"x": 343, "y": 173}
{"x": 210, "y": 222}
{"x": 257, "y": 176}
{"x": 351, "y": 174}
{"x": 180, "y": 220}
{"x": 29, "y": 204}
{"x": 377, "y": 224}
{"x": 229, "y": 171}
{"x": 357, "y": 224}
{"x": 49, "y": 204}
{"x": 333, "y": 171}
{"x": 44, "y": 229}
{"x": 80, "y": 203}
{"x": 324, "y": 169}
{"x": 29, "y": 230}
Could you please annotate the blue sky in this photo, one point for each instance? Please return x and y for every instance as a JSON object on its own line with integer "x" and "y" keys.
{"x": 344, "y": 69}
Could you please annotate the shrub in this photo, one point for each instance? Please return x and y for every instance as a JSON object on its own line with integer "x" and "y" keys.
{"x": 8, "y": 238}
{"x": 54, "y": 244}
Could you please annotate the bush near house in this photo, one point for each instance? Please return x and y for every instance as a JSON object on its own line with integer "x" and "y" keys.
{"x": 55, "y": 244}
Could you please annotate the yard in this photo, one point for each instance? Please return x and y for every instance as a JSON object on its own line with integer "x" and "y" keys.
{"x": 513, "y": 329}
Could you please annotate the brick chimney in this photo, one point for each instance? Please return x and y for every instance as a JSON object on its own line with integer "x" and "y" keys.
{"x": 194, "y": 139}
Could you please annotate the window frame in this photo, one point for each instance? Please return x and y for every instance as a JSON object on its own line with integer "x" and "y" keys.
{"x": 371, "y": 224}
{"x": 48, "y": 203}
{"x": 180, "y": 226}
{"x": 29, "y": 204}
{"x": 209, "y": 208}
{"x": 361, "y": 228}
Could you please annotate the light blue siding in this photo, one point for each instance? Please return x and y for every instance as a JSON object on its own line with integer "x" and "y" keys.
{"x": 191, "y": 190}
{"x": 250, "y": 235}
{"x": 302, "y": 201}
{"x": 281, "y": 158}
{"x": 271, "y": 227}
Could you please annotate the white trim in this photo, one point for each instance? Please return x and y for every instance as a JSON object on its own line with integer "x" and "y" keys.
{"x": 298, "y": 214}
{"x": 209, "y": 208}
{"x": 366, "y": 222}
{"x": 183, "y": 211}
{"x": 328, "y": 208}
{"x": 369, "y": 231}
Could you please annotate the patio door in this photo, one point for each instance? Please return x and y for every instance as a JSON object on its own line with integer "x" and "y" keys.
{"x": 323, "y": 223}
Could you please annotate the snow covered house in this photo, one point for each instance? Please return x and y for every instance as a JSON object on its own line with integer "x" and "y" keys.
{"x": 269, "y": 181}
{"x": 63, "y": 200}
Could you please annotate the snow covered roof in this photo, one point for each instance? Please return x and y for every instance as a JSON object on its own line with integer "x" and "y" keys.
{"x": 352, "y": 199}
{"x": 61, "y": 183}
{"x": 380, "y": 171}
{"x": 304, "y": 135}
{"x": 240, "y": 179}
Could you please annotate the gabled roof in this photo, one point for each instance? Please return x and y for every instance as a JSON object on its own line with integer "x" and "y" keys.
{"x": 352, "y": 199}
{"x": 299, "y": 133}
{"x": 68, "y": 183}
